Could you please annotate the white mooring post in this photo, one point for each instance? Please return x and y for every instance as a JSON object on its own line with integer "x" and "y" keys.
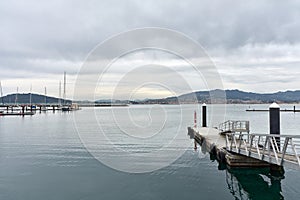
{"x": 274, "y": 115}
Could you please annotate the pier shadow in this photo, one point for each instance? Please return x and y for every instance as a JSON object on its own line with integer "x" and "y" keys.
{"x": 248, "y": 183}
{"x": 256, "y": 184}
{"x": 251, "y": 183}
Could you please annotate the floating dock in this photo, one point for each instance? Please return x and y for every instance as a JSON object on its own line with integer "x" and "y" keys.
{"x": 263, "y": 110}
{"x": 233, "y": 144}
{"x": 16, "y": 114}
{"x": 240, "y": 149}
{"x": 213, "y": 142}
{"x": 267, "y": 110}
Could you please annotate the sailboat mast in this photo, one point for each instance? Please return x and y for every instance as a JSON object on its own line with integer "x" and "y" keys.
{"x": 16, "y": 99}
{"x": 45, "y": 96}
{"x": 65, "y": 79}
{"x": 1, "y": 93}
{"x": 59, "y": 99}
{"x": 30, "y": 96}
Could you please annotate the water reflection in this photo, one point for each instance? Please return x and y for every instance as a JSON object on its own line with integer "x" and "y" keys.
{"x": 254, "y": 184}
{"x": 248, "y": 183}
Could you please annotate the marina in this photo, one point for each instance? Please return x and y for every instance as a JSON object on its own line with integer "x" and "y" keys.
{"x": 22, "y": 110}
{"x": 154, "y": 100}
{"x": 29, "y": 106}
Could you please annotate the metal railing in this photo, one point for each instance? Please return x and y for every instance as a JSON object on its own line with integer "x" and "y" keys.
{"x": 276, "y": 149}
{"x": 231, "y": 126}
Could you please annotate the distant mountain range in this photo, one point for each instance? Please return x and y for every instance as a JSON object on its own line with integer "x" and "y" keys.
{"x": 231, "y": 96}
{"x": 35, "y": 99}
{"x": 213, "y": 96}
{"x": 234, "y": 96}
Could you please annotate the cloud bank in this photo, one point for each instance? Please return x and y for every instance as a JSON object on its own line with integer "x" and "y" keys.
{"x": 255, "y": 44}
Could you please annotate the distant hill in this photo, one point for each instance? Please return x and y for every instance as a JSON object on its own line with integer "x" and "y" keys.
{"x": 281, "y": 97}
{"x": 232, "y": 96}
{"x": 25, "y": 99}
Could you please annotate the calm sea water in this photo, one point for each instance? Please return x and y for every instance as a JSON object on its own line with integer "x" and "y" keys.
{"x": 45, "y": 156}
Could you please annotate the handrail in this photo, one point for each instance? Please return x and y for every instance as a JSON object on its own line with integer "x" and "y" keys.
{"x": 274, "y": 135}
{"x": 234, "y": 126}
{"x": 276, "y": 149}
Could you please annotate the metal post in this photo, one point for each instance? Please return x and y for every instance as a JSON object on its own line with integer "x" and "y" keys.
{"x": 294, "y": 108}
{"x": 274, "y": 112}
{"x": 204, "y": 115}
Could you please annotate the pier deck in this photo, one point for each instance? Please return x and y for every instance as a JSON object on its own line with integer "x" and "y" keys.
{"x": 249, "y": 150}
{"x": 213, "y": 142}
{"x": 211, "y": 136}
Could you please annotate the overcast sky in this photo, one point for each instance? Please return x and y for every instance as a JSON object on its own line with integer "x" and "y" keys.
{"x": 255, "y": 45}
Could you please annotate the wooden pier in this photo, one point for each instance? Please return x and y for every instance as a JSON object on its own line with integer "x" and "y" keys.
{"x": 31, "y": 109}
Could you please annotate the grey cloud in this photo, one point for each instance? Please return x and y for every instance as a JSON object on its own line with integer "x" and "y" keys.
{"x": 53, "y": 36}
{"x": 72, "y": 28}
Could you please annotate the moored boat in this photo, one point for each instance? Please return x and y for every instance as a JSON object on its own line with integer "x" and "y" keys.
{"x": 65, "y": 108}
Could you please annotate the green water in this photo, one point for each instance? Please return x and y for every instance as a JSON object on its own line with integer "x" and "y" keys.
{"x": 43, "y": 157}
